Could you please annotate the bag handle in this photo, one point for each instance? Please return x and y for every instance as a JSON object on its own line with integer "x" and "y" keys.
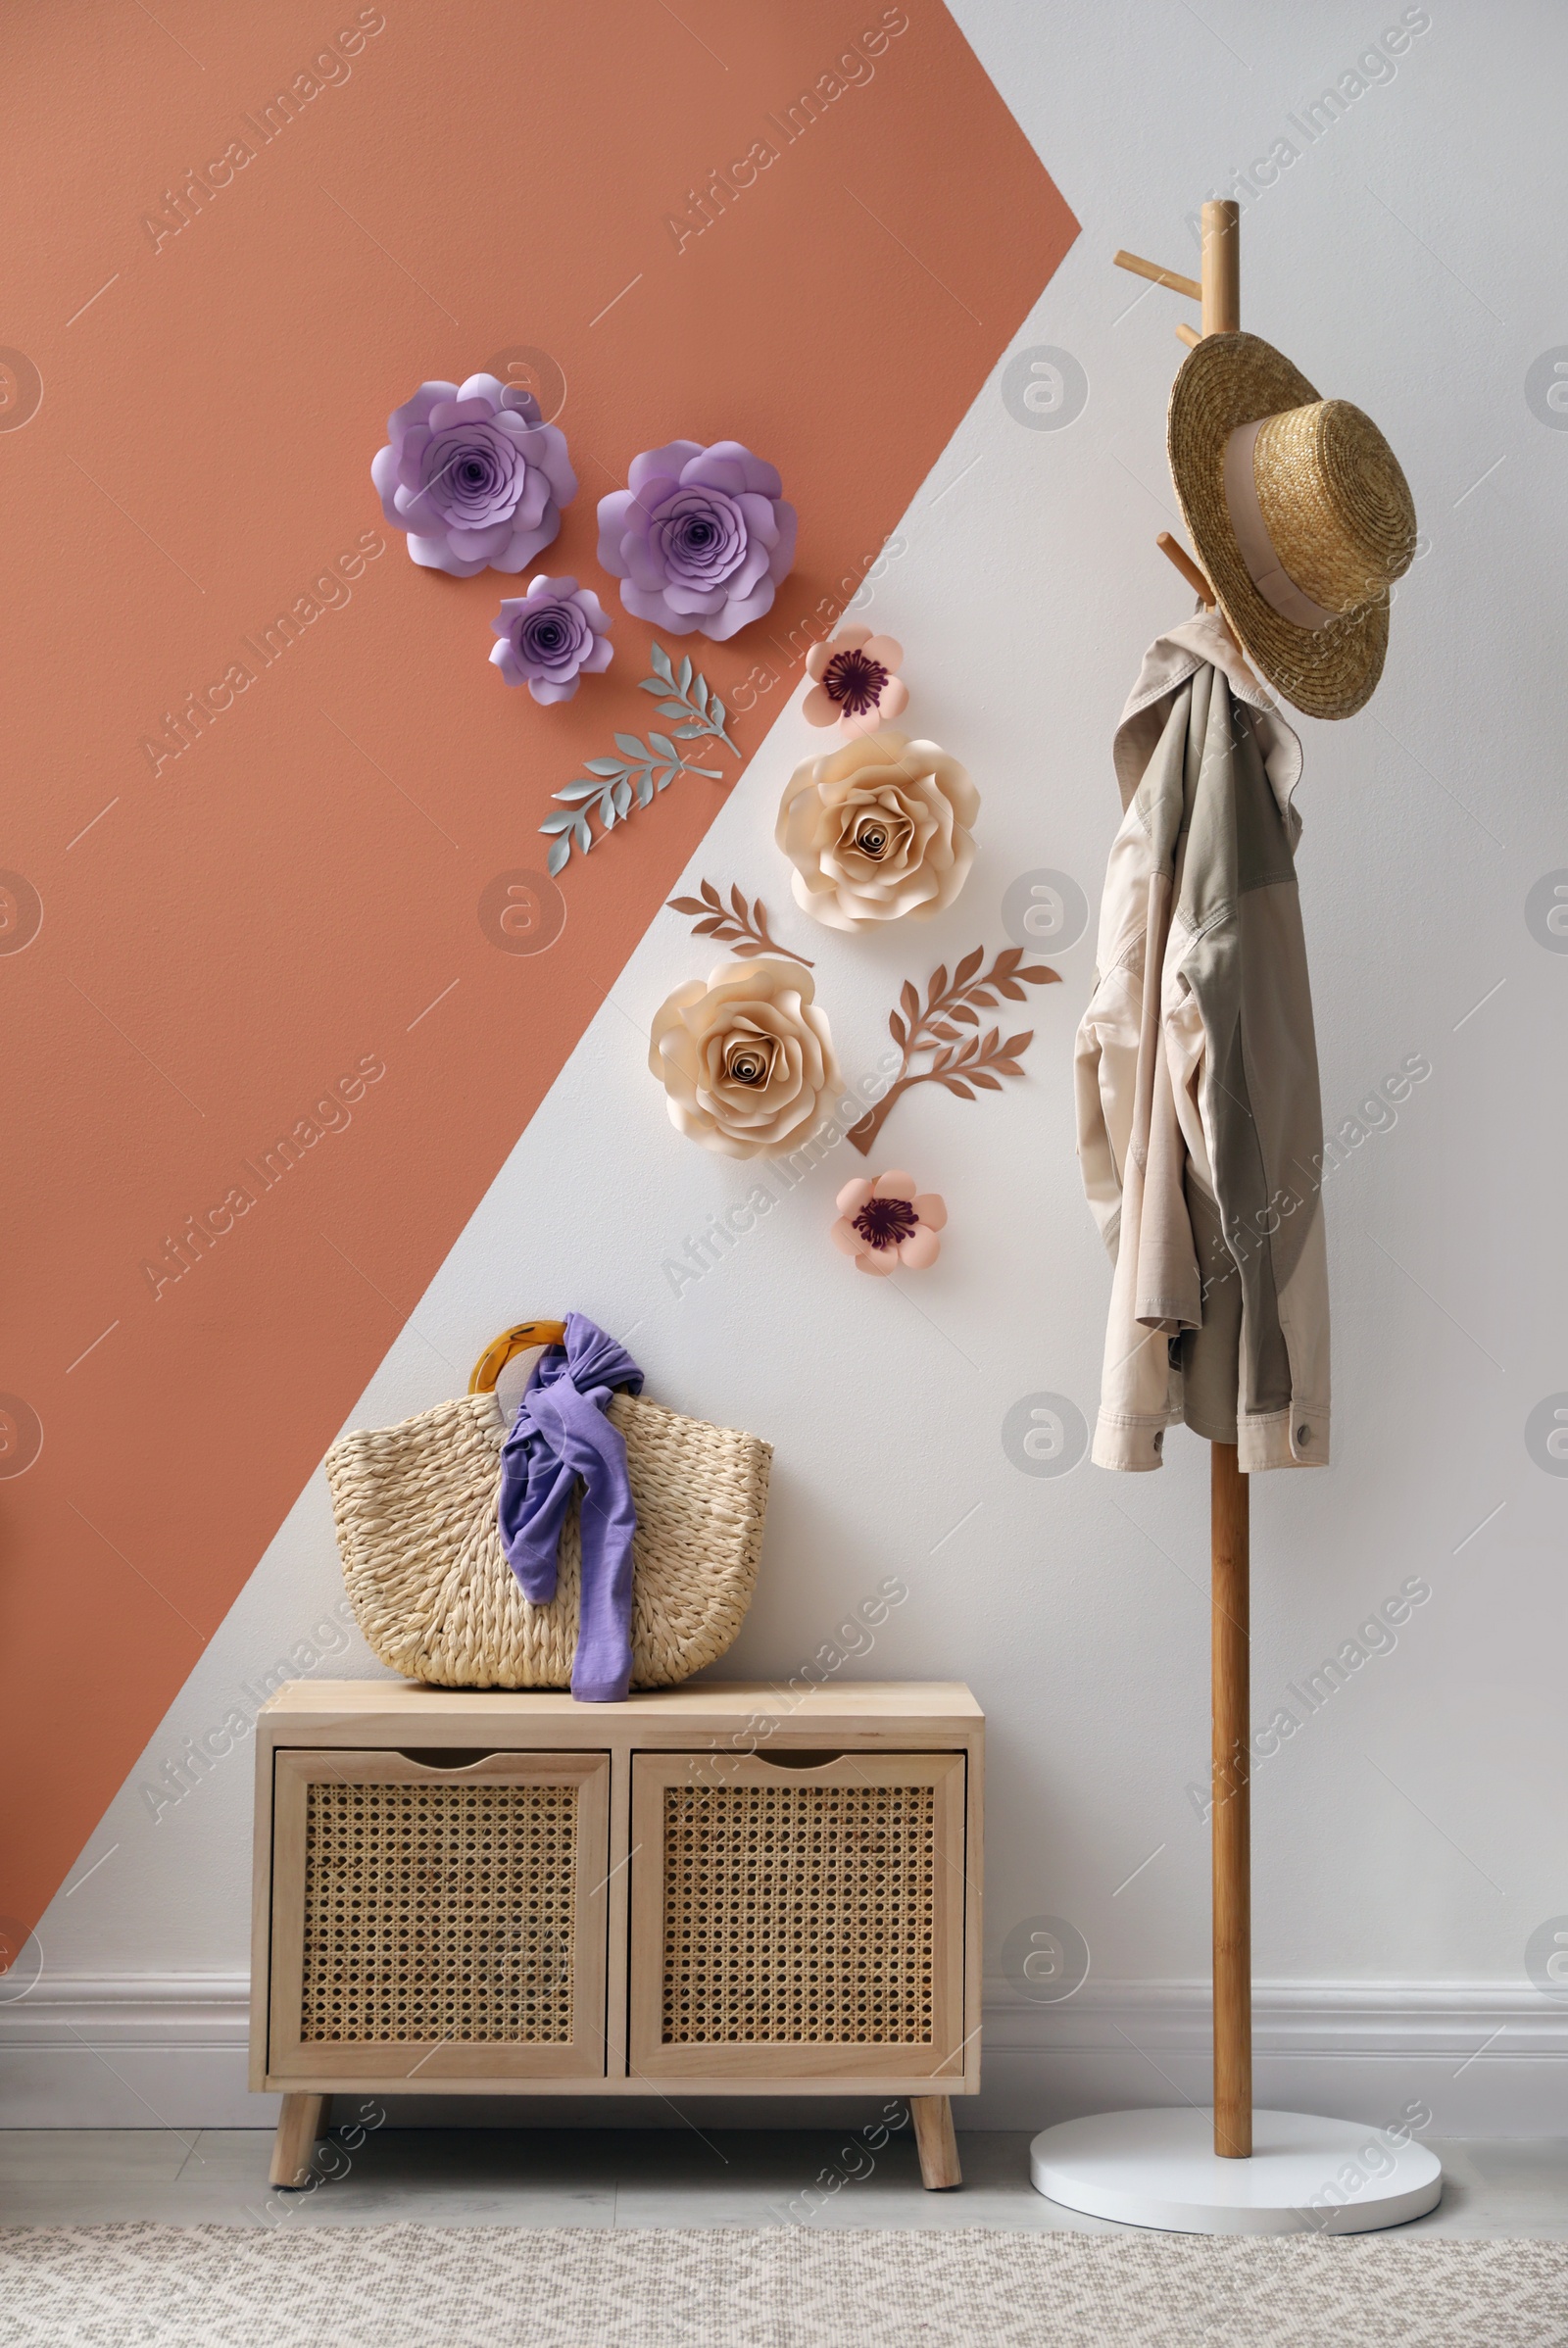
{"x": 496, "y": 1355}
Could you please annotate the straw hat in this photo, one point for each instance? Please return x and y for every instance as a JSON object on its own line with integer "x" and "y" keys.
{"x": 1300, "y": 516}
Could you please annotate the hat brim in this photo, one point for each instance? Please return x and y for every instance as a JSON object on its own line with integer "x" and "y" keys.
{"x": 1232, "y": 380}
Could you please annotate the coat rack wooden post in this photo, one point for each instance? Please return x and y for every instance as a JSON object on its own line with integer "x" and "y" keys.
{"x": 1230, "y": 1790}
{"x": 1229, "y": 1823}
{"x": 1170, "y": 2167}
{"x": 1219, "y": 292}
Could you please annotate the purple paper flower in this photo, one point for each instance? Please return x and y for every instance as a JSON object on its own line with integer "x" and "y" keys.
{"x": 700, "y": 540}
{"x": 473, "y": 477}
{"x": 550, "y": 637}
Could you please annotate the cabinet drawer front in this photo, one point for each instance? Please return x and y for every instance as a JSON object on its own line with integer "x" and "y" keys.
{"x": 797, "y": 1923}
{"x": 438, "y": 1922}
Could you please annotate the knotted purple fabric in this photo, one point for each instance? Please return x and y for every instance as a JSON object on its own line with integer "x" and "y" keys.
{"x": 561, "y": 1433}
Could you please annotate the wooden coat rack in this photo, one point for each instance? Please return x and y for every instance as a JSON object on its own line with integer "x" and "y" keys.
{"x": 1166, "y": 2167}
{"x": 1219, "y": 292}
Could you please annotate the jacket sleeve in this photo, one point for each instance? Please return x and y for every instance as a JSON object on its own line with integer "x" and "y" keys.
{"x": 1104, "y": 1075}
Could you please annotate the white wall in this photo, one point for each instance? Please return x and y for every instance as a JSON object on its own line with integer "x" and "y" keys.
{"x": 1411, "y": 1837}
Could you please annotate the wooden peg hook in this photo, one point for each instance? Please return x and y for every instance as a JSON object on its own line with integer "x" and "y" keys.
{"x": 1152, "y": 270}
{"x": 1174, "y": 550}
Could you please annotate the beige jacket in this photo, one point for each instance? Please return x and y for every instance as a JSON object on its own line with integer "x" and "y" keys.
{"x": 1200, "y": 1129}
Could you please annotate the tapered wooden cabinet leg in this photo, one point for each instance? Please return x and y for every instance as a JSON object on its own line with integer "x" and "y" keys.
{"x": 1230, "y": 1823}
{"x": 302, "y": 2121}
{"x": 936, "y": 2142}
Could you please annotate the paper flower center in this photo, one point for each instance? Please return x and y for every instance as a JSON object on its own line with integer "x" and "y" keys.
{"x": 474, "y": 477}
{"x": 700, "y": 536}
{"x": 884, "y": 1222}
{"x": 552, "y": 636}
{"x": 871, "y": 836}
{"x": 855, "y": 682}
{"x": 748, "y": 1060}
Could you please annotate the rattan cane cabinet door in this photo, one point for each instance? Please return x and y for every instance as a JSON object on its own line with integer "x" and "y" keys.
{"x": 434, "y": 1922}
{"x": 797, "y": 1923}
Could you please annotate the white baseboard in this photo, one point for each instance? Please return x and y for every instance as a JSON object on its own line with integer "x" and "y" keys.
{"x": 1484, "y": 2059}
{"x": 144, "y": 2050}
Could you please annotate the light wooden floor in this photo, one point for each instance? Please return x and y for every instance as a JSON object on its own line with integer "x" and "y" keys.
{"x": 635, "y": 2177}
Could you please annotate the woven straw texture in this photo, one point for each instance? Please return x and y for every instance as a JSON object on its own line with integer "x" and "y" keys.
{"x": 1335, "y": 504}
{"x": 439, "y": 1913}
{"x": 1334, "y": 501}
{"x": 415, "y": 1510}
{"x": 799, "y": 1914}
{"x": 779, "y": 2286}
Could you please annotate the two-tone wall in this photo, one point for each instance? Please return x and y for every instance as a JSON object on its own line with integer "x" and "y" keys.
{"x": 295, "y": 1126}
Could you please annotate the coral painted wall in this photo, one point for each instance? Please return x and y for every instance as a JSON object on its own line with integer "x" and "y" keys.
{"x": 267, "y": 800}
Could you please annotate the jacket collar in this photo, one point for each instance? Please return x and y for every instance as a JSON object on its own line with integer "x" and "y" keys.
{"x": 1168, "y": 662}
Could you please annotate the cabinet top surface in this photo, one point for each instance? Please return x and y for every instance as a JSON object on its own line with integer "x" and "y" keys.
{"x": 868, "y": 1700}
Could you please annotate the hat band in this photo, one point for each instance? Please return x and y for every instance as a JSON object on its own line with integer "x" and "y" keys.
{"x": 1265, "y": 568}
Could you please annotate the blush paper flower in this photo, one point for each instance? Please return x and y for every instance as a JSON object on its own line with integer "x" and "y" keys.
{"x": 701, "y": 538}
{"x": 551, "y": 637}
{"x": 473, "y": 477}
{"x": 745, "y": 1057}
{"x": 855, "y": 685}
{"x": 888, "y": 1223}
{"x": 876, "y": 830}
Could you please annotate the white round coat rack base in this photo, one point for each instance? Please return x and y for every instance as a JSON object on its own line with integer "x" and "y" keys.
{"x": 1305, "y": 2176}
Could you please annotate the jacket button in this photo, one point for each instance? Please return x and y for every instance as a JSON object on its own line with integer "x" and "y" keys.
{"x": 1304, "y": 1434}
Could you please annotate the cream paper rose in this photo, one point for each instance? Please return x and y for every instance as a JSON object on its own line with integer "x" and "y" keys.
{"x": 878, "y": 829}
{"x": 745, "y": 1059}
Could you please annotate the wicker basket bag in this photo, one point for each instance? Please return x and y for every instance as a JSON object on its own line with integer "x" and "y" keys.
{"x": 416, "y": 1528}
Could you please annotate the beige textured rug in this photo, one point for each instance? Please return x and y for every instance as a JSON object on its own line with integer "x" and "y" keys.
{"x": 430, "y": 2286}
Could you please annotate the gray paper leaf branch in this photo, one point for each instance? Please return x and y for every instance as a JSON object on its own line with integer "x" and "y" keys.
{"x": 959, "y": 1060}
{"x": 610, "y": 788}
{"x": 745, "y": 932}
{"x": 701, "y": 711}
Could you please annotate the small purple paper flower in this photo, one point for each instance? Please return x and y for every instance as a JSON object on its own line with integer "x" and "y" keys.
{"x": 473, "y": 477}
{"x": 700, "y": 540}
{"x": 550, "y": 637}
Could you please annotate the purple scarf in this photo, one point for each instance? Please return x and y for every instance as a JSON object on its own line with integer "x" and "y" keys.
{"x": 561, "y": 1433}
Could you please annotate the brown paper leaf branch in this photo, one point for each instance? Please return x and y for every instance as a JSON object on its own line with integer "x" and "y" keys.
{"x": 745, "y": 931}
{"x": 960, "y": 1061}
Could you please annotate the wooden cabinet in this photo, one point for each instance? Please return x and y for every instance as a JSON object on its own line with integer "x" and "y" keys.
{"x": 739, "y": 1887}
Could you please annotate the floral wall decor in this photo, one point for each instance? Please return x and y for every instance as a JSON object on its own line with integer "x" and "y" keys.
{"x": 699, "y": 539}
{"x": 855, "y": 685}
{"x": 947, "y": 1034}
{"x": 473, "y": 477}
{"x": 612, "y": 787}
{"x": 745, "y": 932}
{"x": 746, "y": 1058}
{"x": 877, "y": 830}
{"x": 551, "y": 637}
{"x": 887, "y": 1223}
